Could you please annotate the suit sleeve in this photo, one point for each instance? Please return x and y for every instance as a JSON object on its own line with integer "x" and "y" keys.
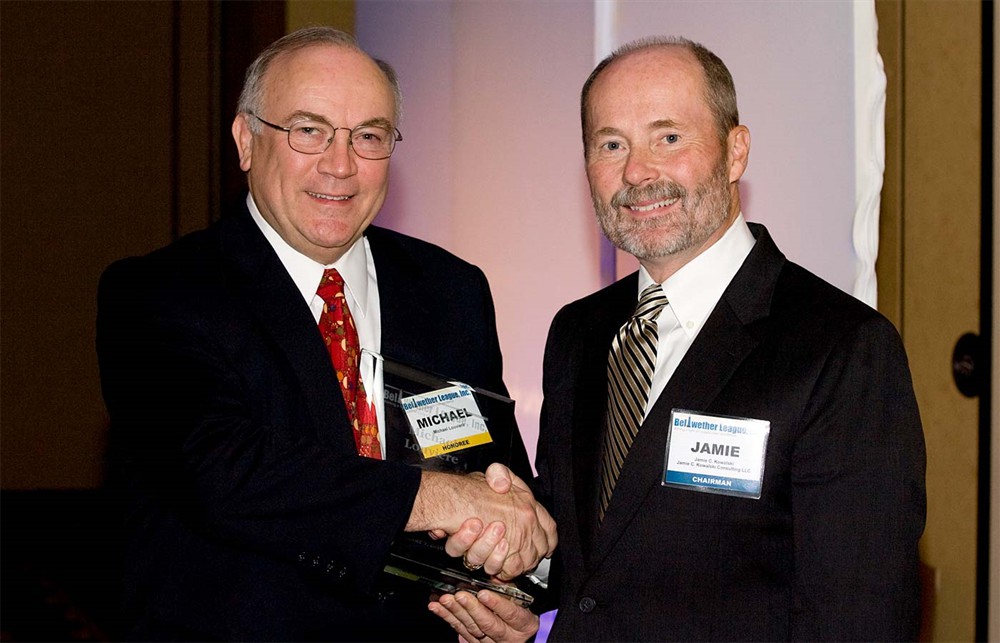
{"x": 203, "y": 446}
{"x": 556, "y": 369}
{"x": 858, "y": 495}
{"x": 553, "y": 380}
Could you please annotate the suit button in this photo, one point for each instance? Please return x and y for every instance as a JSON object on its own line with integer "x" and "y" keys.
{"x": 587, "y": 604}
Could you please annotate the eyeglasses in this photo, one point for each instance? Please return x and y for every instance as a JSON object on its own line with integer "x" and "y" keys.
{"x": 371, "y": 142}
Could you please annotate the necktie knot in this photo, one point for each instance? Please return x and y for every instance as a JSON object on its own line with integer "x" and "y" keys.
{"x": 651, "y": 302}
{"x": 331, "y": 285}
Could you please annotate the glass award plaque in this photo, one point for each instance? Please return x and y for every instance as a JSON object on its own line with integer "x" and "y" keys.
{"x": 440, "y": 424}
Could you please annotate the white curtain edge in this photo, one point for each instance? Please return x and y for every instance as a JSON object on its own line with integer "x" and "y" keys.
{"x": 869, "y": 148}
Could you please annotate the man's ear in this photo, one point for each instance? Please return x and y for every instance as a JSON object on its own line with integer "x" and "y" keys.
{"x": 738, "y": 151}
{"x": 244, "y": 140}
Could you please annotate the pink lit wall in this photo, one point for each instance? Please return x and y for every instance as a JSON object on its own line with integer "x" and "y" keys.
{"x": 491, "y": 163}
{"x": 793, "y": 65}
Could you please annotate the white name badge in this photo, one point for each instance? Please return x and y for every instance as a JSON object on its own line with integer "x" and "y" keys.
{"x": 716, "y": 454}
{"x": 446, "y": 420}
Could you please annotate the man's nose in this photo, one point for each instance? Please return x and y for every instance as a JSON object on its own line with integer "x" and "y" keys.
{"x": 640, "y": 167}
{"x": 339, "y": 159}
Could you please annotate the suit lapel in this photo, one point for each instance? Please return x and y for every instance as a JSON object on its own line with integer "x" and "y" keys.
{"x": 407, "y": 324}
{"x": 723, "y": 343}
{"x": 273, "y": 300}
{"x": 404, "y": 321}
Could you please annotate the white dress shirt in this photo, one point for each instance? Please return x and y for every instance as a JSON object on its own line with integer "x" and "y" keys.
{"x": 357, "y": 268}
{"x": 692, "y": 293}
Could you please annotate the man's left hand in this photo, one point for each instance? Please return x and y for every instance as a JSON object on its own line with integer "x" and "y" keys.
{"x": 486, "y": 616}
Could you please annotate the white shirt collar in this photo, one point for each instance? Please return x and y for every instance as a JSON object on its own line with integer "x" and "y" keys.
{"x": 306, "y": 273}
{"x": 695, "y": 289}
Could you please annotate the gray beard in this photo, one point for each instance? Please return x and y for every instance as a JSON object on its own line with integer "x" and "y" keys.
{"x": 699, "y": 216}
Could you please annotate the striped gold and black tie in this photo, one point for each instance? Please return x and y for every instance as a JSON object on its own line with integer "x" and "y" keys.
{"x": 630, "y": 371}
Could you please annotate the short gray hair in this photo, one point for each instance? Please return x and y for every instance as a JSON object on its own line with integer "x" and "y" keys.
{"x": 719, "y": 87}
{"x": 252, "y": 97}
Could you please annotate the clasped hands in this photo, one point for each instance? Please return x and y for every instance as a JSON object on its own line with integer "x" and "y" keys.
{"x": 490, "y": 519}
{"x": 504, "y": 530}
{"x": 505, "y": 548}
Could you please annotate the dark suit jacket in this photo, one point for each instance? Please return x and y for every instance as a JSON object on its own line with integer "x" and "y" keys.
{"x": 255, "y": 518}
{"x": 829, "y": 551}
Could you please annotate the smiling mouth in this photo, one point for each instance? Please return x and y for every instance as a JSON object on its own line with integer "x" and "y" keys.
{"x": 328, "y": 197}
{"x": 652, "y": 206}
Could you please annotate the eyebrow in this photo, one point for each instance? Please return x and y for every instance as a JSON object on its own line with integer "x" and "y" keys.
{"x": 606, "y": 131}
{"x": 663, "y": 122}
{"x": 301, "y": 115}
{"x": 378, "y": 120}
{"x": 655, "y": 125}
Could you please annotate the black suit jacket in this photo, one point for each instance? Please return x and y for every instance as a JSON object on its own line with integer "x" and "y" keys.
{"x": 255, "y": 519}
{"x": 829, "y": 551}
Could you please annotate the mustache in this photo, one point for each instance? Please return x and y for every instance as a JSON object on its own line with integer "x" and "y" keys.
{"x": 653, "y": 192}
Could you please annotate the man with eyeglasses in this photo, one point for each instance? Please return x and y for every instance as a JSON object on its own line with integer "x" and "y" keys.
{"x": 245, "y": 417}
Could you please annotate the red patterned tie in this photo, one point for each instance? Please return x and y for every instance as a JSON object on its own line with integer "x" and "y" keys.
{"x": 336, "y": 325}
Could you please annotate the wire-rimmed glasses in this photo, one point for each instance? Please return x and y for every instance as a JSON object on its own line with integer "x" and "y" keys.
{"x": 372, "y": 142}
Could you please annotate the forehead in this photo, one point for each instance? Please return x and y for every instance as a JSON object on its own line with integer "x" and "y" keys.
{"x": 658, "y": 84}
{"x": 327, "y": 80}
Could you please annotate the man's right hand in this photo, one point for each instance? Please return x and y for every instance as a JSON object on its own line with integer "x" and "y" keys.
{"x": 518, "y": 531}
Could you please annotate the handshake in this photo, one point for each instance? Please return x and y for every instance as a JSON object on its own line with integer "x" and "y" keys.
{"x": 492, "y": 520}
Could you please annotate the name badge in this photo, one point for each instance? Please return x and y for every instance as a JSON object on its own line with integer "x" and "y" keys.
{"x": 715, "y": 453}
{"x": 446, "y": 420}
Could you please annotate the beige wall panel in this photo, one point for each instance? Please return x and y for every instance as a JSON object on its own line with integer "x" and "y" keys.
{"x": 941, "y": 160}
{"x": 335, "y": 13}
{"x": 889, "y": 266}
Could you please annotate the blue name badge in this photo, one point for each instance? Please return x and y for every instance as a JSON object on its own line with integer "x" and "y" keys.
{"x": 715, "y": 453}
